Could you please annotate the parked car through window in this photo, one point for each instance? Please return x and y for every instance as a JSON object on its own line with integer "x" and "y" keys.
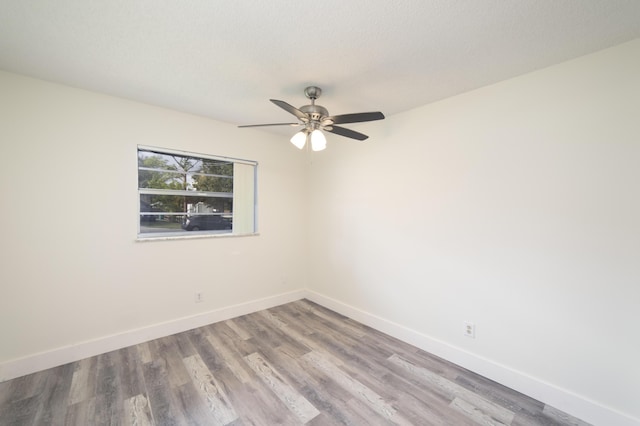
{"x": 206, "y": 223}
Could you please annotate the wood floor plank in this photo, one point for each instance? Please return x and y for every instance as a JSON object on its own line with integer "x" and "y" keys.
{"x": 514, "y": 401}
{"x": 420, "y": 405}
{"x": 358, "y": 360}
{"x": 239, "y": 330}
{"x": 298, "y": 363}
{"x": 189, "y": 401}
{"x": 144, "y": 352}
{"x": 332, "y": 411}
{"x": 335, "y": 320}
{"x": 211, "y": 390}
{"x": 109, "y": 401}
{"x": 296, "y": 402}
{"x": 204, "y": 350}
{"x": 310, "y": 342}
{"x": 562, "y": 417}
{"x": 184, "y": 345}
{"x": 243, "y": 347}
{"x": 129, "y": 369}
{"x": 23, "y": 387}
{"x": 137, "y": 411}
{"x": 21, "y": 411}
{"x": 83, "y": 383}
{"x": 230, "y": 357}
{"x": 322, "y": 393}
{"x": 297, "y": 319}
{"x": 81, "y": 413}
{"x": 168, "y": 351}
{"x": 273, "y": 332}
{"x": 161, "y": 395}
{"x": 356, "y": 388}
{"x": 463, "y": 400}
{"x": 256, "y": 401}
{"x": 478, "y": 414}
{"x": 55, "y": 395}
{"x": 331, "y": 400}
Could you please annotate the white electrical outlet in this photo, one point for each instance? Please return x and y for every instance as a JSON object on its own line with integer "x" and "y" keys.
{"x": 470, "y": 329}
{"x": 199, "y": 297}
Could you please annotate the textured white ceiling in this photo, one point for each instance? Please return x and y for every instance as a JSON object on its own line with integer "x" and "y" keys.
{"x": 225, "y": 58}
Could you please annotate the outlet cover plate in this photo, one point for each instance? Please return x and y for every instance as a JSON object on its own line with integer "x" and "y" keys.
{"x": 470, "y": 329}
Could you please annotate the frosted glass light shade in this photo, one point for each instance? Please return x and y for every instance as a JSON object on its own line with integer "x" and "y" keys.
{"x": 299, "y": 139}
{"x": 318, "y": 141}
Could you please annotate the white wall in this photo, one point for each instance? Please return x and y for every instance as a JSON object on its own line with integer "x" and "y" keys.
{"x": 71, "y": 270}
{"x": 517, "y": 207}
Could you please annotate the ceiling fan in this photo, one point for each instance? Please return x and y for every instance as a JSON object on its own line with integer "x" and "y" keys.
{"x": 315, "y": 118}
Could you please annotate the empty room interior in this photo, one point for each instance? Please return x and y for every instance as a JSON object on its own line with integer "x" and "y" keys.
{"x": 464, "y": 250}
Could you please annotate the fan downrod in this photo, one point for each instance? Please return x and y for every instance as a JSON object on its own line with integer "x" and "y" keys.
{"x": 315, "y": 112}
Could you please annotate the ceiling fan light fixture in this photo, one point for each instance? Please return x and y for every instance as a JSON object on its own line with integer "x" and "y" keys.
{"x": 318, "y": 141}
{"x": 299, "y": 139}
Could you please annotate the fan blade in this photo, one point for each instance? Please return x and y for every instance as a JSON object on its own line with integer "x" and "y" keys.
{"x": 271, "y": 124}
{"x": 342, "y": 131}
{"x": 356, "y": 118}
{"x": 291, "y": 109}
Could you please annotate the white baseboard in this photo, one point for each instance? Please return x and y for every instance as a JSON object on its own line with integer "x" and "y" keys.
{"x": 59, "y": 356}
{"x": 562, "y": 399}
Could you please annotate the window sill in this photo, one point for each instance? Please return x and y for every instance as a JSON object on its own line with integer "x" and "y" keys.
{"x": 165, "y": 237}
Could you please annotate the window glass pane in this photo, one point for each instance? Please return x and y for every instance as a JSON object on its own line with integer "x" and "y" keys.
{"x": 215, "y": 167}
{"x": 214, "y": 176}
{"x": 159, "y": 179}
{"x": 158, "y": 160}
{"x": 152, "y": 203}
{"x": 161, "y": 223}
{"x": 186, "y": 224}
{"x": 162, "y": 171}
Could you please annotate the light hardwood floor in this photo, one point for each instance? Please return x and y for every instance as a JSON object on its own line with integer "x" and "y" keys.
{"x": 294, "y": 364}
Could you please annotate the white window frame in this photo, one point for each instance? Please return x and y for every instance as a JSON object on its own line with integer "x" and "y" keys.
{"x": 244, "y": 195}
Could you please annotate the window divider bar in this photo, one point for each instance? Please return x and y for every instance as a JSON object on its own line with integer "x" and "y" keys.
{"x": 151, "y": 191}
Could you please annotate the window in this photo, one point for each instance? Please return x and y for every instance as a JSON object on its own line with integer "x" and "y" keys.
{"x": 183, "y": 194}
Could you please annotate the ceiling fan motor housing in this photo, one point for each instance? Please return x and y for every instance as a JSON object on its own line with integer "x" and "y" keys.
{"x": 315, "y": 111}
